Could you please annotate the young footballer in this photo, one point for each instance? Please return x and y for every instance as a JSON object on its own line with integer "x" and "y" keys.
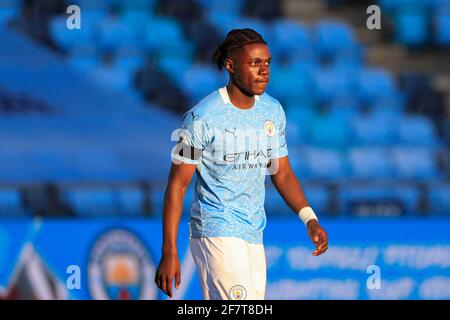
{"x": 231, "y": 140}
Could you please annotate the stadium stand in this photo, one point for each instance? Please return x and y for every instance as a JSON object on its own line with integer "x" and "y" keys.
{"x": 104, "y": 99}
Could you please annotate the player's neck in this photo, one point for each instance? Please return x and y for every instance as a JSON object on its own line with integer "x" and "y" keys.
{"x": 239, "y": 98}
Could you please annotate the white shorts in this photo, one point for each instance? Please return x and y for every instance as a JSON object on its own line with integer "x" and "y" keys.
{"x": 230, "y": 268}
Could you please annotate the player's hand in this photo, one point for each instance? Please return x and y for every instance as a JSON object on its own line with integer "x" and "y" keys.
{"x": 169, "y": 269}
{"x": 318, "y": 237}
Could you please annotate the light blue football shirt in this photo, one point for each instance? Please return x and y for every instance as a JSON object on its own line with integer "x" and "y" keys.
{"x": 237, "y": 145}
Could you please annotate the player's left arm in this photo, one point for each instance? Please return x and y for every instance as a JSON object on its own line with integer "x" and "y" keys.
{"x": 289, "y": 187}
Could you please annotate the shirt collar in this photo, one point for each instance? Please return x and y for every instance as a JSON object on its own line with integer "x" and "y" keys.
{"x": 226, "y": 98}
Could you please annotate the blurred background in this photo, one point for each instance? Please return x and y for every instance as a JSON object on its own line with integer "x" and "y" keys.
{"x": 86, "y": 117}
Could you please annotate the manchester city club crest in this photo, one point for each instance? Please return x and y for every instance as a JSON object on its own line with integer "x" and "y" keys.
{"x": 269, "y": 128}
{"x": 120, "y": 268}
{"x": 238, "y": 293}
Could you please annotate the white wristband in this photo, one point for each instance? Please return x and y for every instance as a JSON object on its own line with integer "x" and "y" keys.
{"x": 307, "y": 214}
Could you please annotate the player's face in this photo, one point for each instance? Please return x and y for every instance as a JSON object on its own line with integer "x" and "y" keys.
{"x": 252, "y": 68}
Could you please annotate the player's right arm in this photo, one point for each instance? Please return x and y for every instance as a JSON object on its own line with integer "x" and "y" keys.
{"x": 169, "y": 268}
{"x": 193, "y": 139}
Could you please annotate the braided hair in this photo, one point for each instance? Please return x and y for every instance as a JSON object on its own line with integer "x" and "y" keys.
{"x": 236, "y": 38}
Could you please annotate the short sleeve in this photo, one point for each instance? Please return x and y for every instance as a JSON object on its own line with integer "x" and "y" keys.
{"x": 194, "y": 137}
{"x": 280, "y": 149}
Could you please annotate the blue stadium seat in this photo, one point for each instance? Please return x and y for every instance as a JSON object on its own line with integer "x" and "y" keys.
{"x": 94, "y": 17}
{"x": 413, "y": 82}
{"x": 136, "y": 163}
{"x": 334, "y": 82}
{"x": 292, "y": 82}
{"x": 14, "y": 166}
{"x": 11, "y": 4}
{"x": 98, "y": 165}
{"x": 376, "y": 128}
{"x": 324, "y": 164}
{"x": 137, "y": 6}
{"x": 105, "y": 202}
{"x": 262, "y": 27}
{"x": 292, "y": 39}
{"x": 135, "y": 20}
{"x": 54, "y": 166}
{"x": 372, "y": 201}
{"x": 330, "y": 130}
{"x": 130, "y": 202}
{"x": 350, "y": 67}
{"x": 163, "y": 29}
{"x": 318, "y": 197}
{"x": 157, "y": 201}
{"x": 392, "y": 5}
{"x": 411, "y": 25}
{"x": 67, "y": 39}
{"x": 415, "y": 163}
{"x": 266, "y": 10}
{"x": 441, "y": 21}
{"x": 439, "y": 200}
{"x": 205, "y": 37}
{"x": 184, "y": 11}
{"x": 395, "y": 102}
{"x": 296, "y": 136}
{"x": 7, "y": 14}
{"x": 194, "y": 81}
{"x": 437, "y": 3}
{"x": 84, "y": 50}
{"x": 11, "y": 204}
{"x": 335, "y": 39}
{"x": 417, "y": 130}
{"x": 83, "y": 42}
{"x": 114, "y": 34}
{"x": 91, "y": 203}
{"x": 375, "y": 83}
{"x": 274, "y": 204}
{"x": 84, "y": 39}
{"x": 165, "y": 36}
{"x": 231, "y": 7}
{"x": 388, "y": 5}
{"x": 129, "y": 64}
{"x": 346, "y": 107}
{"x": 174, "y": 66}
{"x": 298, "y": 161}
{"x": 112, "y": 77}
{"x": 298, "y": 120}
{"x": 222, "y": 21}
{"x": 306, "y": 101}
{"x": 370, "y": 163}
{"x": 92, "y": 5}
